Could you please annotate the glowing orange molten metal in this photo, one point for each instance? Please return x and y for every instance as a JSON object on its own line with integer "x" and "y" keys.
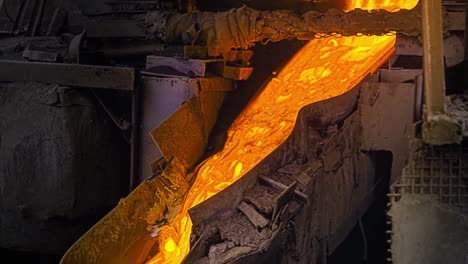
{"x": 389, "y": 5}
{"x": 323, "y": 69}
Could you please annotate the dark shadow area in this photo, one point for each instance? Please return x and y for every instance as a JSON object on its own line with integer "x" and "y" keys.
{"x": 10, "y": 256}
{"x": 408, "y": 62}
{"x": 455, "y": 78}
{"x": 74, "y": 229}
{"x": 372, "y": 249}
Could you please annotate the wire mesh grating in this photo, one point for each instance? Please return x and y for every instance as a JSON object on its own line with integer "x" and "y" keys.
{"x": 436, "y": 170}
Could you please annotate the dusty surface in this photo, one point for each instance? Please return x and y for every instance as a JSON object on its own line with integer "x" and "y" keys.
{"x": 428, "y": 232}
{"x": 242, "y": 232}
{"x": 61, "y": 161}
{"x": 187, "y": 144}
{"x": 429, "y": 207}
{"x": 12, "y": 48}
{"x": 328, "y": 155}
{"x": 262, "y": 198}
{"x": 393, "y": 133}
{"x": 457, "y": 107}
{"x": 449, "y": 127}
{"x": 242, "y": 27}
{"x": 126, "y": 233}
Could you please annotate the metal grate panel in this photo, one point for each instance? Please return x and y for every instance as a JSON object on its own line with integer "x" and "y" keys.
{"x": 437, "y": 170}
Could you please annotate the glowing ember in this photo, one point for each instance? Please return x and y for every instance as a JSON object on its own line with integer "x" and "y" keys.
{"x": 389, "y": 5}
{"x": 322, "y": 69}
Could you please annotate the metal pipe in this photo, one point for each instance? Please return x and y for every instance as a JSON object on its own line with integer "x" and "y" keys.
{"x": 418, "y": 98}
{"x": 438, "y": 126}
{"x": 31, "y": 18}
{"x": 54, "y": 18}
{"x": 20, "y": 16}
{"x": 242, "y": 27}
{"x": 466, "y": 48}
{"x": 433, "y": 45}
{"x": 38, "y": 17}
{"x": 134, "y": 137}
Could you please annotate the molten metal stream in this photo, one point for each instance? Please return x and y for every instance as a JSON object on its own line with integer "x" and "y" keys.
{"x": 389, "y": 5}
{"x": 322, "y": 69}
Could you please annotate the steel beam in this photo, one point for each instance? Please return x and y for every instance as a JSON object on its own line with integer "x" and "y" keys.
{"x": 433, "y": 45}
{"x": 466, "y": 49}
{"x": 68, "y": 74}
{"x": 438, "y": 127}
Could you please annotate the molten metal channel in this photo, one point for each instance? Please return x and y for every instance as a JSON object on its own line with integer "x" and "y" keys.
{"x": 322, "y": 69}
{"x": 389, "y": 5}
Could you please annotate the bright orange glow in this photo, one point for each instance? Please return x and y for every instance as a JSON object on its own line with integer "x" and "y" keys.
{"x": 322, "y": 69}
{"x": 170, "y": 245}
{"x": 389, "y": 5}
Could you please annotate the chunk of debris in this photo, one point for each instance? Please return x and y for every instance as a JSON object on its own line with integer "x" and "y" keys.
{"x": 255, "y": 217}
{"x": 303, "y": 179}
{"x": 237, "y": 73}
{"x": 283, "y": 199}
{"x": 241, "y": 231}
{"x": 235, "y": 254}
{"x": 217, "y": 251}
{"x": 262, "y": 198}
{"x": 226, "y": 252}
{"x": 38, "y": 55}
{"x": 301, "y": 196}
{"x": 292, "y": 169}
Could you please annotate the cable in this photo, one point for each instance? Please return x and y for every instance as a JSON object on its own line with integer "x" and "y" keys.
{"x": 364, "y": 241}
{"x": 7, "y": 14}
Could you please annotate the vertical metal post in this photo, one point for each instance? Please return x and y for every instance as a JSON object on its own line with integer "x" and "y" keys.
{"x": 53, "y": 20}
{"x": 20, "y": 17}
{"x": 466, "y": 48}
{"x": 135, "y": 134}
{"x": 439, "y": 127}
{"x": 38, "y": 17}
{"x": 433, "y": 44}
{"x": 418, "y": 98}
